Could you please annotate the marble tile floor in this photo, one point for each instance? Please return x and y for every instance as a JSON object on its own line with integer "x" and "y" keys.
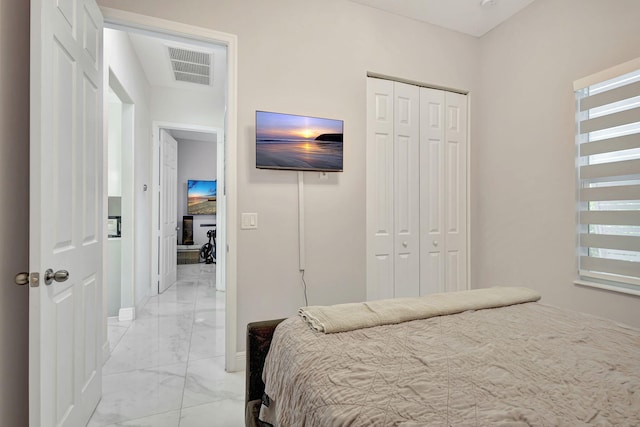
{"x": 166, "y": 368}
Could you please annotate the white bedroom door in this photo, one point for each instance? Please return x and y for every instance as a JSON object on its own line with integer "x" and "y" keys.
{"x": 168, "y": 210}
{"x": 66, "y": 232}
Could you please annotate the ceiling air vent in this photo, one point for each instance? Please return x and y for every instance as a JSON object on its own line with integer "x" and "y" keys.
{"x": 191, "y": 66}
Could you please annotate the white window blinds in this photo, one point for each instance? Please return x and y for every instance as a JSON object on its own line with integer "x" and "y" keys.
{"x": 608, "y": 138}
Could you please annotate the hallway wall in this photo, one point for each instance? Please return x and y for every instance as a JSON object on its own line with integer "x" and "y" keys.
{"x": 186, "y": 107}
{"x": 121, "y": 58}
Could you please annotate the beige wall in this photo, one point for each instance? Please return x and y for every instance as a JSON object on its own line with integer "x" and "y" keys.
{"x": 523, "y": 181}
{"x": 310, "y": 57}
{"x": 121, "y": 59}
{"x": 14, "y": 226}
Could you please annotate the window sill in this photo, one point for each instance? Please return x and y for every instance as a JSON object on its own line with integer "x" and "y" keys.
{"x": 615, "y": 288}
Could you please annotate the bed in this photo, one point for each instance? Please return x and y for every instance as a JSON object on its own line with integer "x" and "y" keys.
{"x": 503, "y": 363}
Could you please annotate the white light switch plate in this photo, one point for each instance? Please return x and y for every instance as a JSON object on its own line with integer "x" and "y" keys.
{"x": 248, "y": 221}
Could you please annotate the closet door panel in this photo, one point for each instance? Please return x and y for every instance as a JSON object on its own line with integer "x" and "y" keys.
{"x": 407, "y": 190}
{"x": 456, "y": 191}
{"x": 432, "y": 191}
{"x": 454, "y": 278}
{"x": 380, "y": 189}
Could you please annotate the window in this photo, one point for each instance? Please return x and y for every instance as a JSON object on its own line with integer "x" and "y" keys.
{"x": 608, "y": 140}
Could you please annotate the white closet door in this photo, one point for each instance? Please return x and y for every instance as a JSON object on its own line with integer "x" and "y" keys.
{"x": 406, "y": 204}
{"x": 455, "y": 160}
{"x": 380, "y": 223}
{"x": 416, "y": 190}
{"x": 432, "y": 191}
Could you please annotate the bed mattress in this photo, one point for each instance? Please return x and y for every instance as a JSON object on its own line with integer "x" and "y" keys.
{"x": 525, "y": 364}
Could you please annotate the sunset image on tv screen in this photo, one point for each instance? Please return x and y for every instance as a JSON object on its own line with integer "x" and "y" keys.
{"x": 287, "y": 141}
{"x": 201, "y": 197}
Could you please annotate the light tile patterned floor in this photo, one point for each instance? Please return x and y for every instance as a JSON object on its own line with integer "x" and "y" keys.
{"x": 166, "y": 368}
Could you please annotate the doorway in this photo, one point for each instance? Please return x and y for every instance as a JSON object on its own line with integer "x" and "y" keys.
{"x": 227, "y": 200}
{"x": 67, "y": 86}
{"x": 199, "y": 158}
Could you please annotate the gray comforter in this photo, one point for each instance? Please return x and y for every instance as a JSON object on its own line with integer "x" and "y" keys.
{"x": 526, "y": 364}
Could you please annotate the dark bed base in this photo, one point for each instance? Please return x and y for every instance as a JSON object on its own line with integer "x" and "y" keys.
{"x": 259, "y": 336}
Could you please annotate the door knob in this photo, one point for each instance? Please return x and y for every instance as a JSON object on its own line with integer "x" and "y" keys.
{"x": 435, "y": 243}
{"x": 405, "y": 244}
{"x": 58, "y": 276}
{"x": 22, "y": 279}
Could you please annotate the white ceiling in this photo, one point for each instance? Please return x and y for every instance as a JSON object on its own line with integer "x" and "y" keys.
{"x": 465, "y": 16}
{"x": 154, "y": 58}
{"x": 153, "y": 55}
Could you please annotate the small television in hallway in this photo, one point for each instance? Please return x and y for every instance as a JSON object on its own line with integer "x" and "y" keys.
{"x": 303, "y": 143}
{"x": 201, "y": 197}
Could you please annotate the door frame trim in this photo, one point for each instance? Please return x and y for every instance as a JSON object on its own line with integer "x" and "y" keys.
{"x": 117, "y": 17}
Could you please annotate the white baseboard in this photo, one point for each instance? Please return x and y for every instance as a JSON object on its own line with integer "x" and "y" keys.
{"x": 127, "y": 313}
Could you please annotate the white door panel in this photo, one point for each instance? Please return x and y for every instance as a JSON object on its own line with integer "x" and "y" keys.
{"x": 456, "y": 193}
{"x": 432, "y": 273}
{"x": 66, "y": 224}
{"x": 432, "y": 191}
{"x": 404, "y": 283}
{"x": 383, "y": 277}
{"x": 383, "y": 208}
{"x": 380, "y": 191}
{"x": 168, "y": 210}
{"x": 443, "y": 191}
{"x": 406, "y": 190}
{"x": 453, "y": 278}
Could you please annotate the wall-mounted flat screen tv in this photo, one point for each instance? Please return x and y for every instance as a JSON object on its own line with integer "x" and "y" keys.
{"x": 292, "y": 142}
{"x": 201, "y": 197}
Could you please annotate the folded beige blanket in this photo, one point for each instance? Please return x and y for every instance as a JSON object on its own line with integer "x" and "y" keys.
{"x": 351, "y": 316}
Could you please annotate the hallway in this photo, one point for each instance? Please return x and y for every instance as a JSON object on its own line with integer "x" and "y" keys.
{"x": 166, "y": 368}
